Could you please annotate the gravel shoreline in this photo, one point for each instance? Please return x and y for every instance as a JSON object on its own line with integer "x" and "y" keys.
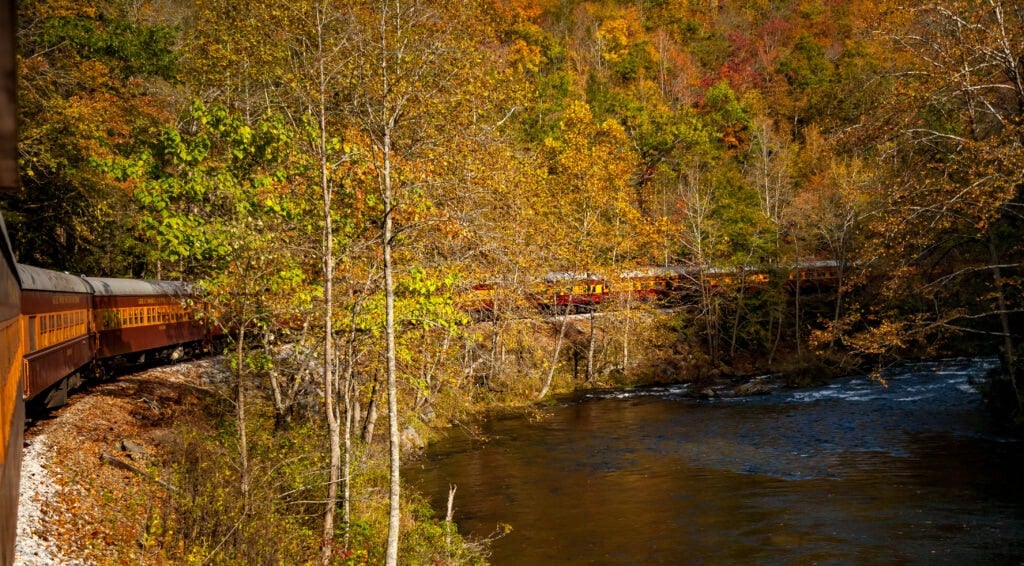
{"x": 37, "y": 487}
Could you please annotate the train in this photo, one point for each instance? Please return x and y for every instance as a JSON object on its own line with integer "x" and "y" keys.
{"x": 75, "y": 327}
{"x": 575, "y": 292}
{"x": 59, "y": 330}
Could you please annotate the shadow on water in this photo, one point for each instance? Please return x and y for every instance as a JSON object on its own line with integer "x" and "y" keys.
{"x": 850, "y": 473}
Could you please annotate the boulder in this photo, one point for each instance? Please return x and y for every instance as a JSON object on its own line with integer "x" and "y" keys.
{"x": 411, "y": 440}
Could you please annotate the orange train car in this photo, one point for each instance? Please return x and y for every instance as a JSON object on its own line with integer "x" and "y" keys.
{"x": 12, "y": 407}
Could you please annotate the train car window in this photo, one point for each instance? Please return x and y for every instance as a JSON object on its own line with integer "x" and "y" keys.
{"x": 31, "y": 334}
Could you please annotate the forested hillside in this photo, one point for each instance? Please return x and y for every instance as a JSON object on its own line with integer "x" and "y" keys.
{"x": 354, "y": 168}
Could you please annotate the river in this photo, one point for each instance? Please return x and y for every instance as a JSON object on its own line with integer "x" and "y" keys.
{"x": 849, "y": 473}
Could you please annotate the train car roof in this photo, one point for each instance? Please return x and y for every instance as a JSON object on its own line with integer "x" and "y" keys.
{"x": 555, "y": 276}
{"x": 109, "y": 286}
{"x": 39, "y": 279}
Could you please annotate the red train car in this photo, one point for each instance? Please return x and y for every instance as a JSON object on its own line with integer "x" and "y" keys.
{"x": 572, "y": 291}
{"x": 814, "y": 275}
{"x": 56, "y": 311}
{"x": 478, "y": 301}
{"x": 144, "y": 320}
{"x": 645, "y": 284}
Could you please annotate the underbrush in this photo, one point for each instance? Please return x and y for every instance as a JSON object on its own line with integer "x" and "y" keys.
{"x": 209, "y": 518}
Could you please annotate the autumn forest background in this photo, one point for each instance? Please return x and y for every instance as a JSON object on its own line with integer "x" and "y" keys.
{"x": 355, "y": 168}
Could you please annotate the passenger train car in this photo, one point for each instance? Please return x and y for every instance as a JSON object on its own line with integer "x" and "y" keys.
{"x": 55, "y": 308}
{"x": 145, "y": 319}
{"x": 74, "y": 327}
{"x": 12, "y": 408}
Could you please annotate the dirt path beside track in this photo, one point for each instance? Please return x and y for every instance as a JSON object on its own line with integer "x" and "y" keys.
{"x": 91, "y": 476}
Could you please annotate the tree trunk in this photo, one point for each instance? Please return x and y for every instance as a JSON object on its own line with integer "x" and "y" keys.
{"x": 351, "y": 414}
{"x": 625, "y": 333}
{"x": 796, "y": 313}
{"x": 1004, "y": 321}
{"x": 554, "y": 362}
{"x": 395, "y": 491}
{"x": 366, "y": 435}
{"x": 243, "y": 442}
{"x": 327, "y": 267}
{"x": 281, "y": 413}
{"x": 739, "y": 314}
{"x": 590, "y": 348}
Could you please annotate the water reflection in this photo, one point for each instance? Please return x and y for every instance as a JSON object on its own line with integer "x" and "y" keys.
{"x": 850, "y": 473}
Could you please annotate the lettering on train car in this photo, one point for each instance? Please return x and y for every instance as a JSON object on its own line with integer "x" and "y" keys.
{"x": 67, "y": 300}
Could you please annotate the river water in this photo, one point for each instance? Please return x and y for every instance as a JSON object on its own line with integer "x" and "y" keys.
{"x": 850, "y": 473}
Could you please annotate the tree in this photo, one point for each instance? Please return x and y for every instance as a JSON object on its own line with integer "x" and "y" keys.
{"x": 219, "y": 203}
{"x": 833, "y": 208}
{"x": 409, "y": 67}
{"x": 769, "y": 171}
{"x": 91, "y": 83}
{"x": 952, "y": 154}
{"x": 592, "y": 166}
